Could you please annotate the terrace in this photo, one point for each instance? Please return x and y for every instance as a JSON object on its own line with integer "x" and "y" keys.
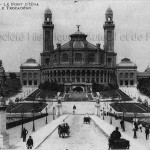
{"x": 130, "y": 107}
{"x": 26, "y": 107}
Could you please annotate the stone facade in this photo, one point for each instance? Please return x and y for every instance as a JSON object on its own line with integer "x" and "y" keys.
{"x": 126, "y": 73}
{"x": 78, "y": 61}
{"x": 30, "y": 73}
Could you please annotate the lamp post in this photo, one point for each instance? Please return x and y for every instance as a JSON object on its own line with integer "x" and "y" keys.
{"x": 53, "y": 113}
{"x": 110, "y": 116}
{"x": 103, "y": 113}
{"x": 123, "y": 127}
{"x": 33, "y": 129}
{"x": 22, "y": 113}
{"x": 46, "y": 115}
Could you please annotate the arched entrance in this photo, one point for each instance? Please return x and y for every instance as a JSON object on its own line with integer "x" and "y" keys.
{"x": 78, "y": 89}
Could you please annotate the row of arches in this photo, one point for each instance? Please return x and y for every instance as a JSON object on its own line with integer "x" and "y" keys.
{"x": 99, "y": 76}
{"x": 126, "y": 75}
{"x": 30, "y": 75}
{"x": 78, "y": 72}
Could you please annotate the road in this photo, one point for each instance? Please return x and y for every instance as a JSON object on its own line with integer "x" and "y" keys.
{"x": 82, "y": 137}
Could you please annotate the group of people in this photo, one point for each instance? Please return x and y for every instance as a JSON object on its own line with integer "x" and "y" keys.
{"x": 137, "y": 126}
{"x": 29, "y": 142}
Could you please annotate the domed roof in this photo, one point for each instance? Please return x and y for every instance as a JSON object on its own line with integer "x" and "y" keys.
{"x": 78, "y": 44}
{"x": 30, "y": 63}
{"x": 47, "y": 11}
{"x": 126, "y": 63}
{"x": 109, "y": 11}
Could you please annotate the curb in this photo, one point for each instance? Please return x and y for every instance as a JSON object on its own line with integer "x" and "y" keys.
{"x": 49, "y": 135}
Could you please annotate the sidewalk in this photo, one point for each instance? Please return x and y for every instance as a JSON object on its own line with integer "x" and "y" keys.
{"x": 41, "y": 135}
{"x": 136, "y": 144}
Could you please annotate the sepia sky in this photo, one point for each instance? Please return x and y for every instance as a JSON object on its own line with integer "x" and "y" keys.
{"x": 21, "y": 30}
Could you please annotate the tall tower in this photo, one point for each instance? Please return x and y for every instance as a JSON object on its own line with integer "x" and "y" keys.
{"x": 48, "y": 27}
{"x": 109, "y": 31}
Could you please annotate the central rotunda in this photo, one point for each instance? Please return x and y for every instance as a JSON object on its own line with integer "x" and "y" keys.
{"x": 78, "y": 63}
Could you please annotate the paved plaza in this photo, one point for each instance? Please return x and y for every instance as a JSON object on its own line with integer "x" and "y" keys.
{"x": 82, "y": 136}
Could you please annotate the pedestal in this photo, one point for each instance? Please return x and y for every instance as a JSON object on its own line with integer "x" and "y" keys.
{"x": 4, "y": 137}
{"x": 58, "y": 110}
{"x": 97, "y": 111}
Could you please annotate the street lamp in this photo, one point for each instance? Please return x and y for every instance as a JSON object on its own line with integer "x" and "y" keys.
{"x": 22, "y": 113}
{"x": 110, "y": 116}
{"x": 46, "y": 115}
{"x": 33, "y": 129}
{"x": 53, "y": 113}
{"x": 123, "y": 129}
{"x": 103, "y": 113}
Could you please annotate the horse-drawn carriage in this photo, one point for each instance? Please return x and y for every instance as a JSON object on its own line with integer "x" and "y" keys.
{"x": 118, "y": 144}
{"x": 86, "y": 120}
{"x": 63, "y": 130}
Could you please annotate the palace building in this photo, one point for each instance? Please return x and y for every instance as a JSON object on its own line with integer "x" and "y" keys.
{"x": 78, "y": 62}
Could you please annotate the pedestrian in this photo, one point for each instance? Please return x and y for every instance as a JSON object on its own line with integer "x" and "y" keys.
{"x": 134, "y": 130}
{"x": 29, "y": 143}
{"x": 136, "y": 125}
{"x": 74, "y": 108}
{"x": 122, "y": 124}
{"x": 140, "y": 127}
{"x": 147, "y": 132}
{"x": 24, "y": 134}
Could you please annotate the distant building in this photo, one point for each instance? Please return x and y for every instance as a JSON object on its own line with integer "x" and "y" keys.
{"x": 145, "y": 74}
{"x": 126, "y": 73}
{"x": 30, "y": 73}
{"x": 2, "y": 73}
{"x": 7, "y": 74}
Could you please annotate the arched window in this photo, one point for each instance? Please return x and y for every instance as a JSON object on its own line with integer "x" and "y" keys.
{"x": 35, "y": 75}
{"x": 121, "y": 75}
{"x": 59, "y": 73}
{"x": 73, "y": 72}
{"x": 126, "y": 75}
{"x": 109, "y": 61}
{"x": 131, "y": 75}
{"x": 78, "y": 57}
{"x": 47, "y": 61}
{"x": 30, "y": 75}
{"x": 24, "y": 75}
{"x": 93, "y": 72}
{"x": 65, "y": 57}
{"x": 83, "y": 72}
{"x": 91, "y": 57}
{"x": 97, "y": 73}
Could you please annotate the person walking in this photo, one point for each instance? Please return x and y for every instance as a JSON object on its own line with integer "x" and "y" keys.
{"x": 24, "y": 134}
{"x": 147, "y": 132}
{"x": 140, "y": 127}
{"x": 29, "y": 143}
{"x": 134, "y": 130}
{"x": 74, "y": 108}
{"x": 122, "y": 125}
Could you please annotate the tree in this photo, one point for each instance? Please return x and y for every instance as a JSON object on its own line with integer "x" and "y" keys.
{"x": 12, "y": 75}
{"x": 11, "y": 85}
